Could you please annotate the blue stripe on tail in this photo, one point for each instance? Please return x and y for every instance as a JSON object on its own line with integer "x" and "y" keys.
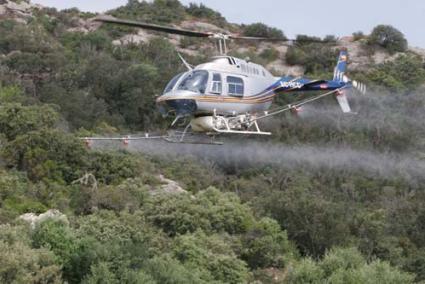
{"x": 341, "y": 66}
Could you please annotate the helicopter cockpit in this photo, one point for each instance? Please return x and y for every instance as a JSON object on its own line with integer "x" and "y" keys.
{"x": 192, "y": 81}
{"x": 180, "y": 91}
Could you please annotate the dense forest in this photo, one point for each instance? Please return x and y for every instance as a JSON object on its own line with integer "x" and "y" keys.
{"x": 329, "y": 198}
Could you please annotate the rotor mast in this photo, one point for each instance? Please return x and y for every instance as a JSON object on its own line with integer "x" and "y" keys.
{"x": 221, "y": 43}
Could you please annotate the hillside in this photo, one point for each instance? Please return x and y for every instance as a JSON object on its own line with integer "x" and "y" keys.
{"x": 329, "y": 198}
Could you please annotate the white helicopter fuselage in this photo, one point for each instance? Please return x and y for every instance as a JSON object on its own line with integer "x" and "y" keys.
{"x": 224, "y": 86}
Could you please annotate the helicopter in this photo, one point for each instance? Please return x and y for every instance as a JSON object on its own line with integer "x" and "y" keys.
{"x": 229, "y": 95}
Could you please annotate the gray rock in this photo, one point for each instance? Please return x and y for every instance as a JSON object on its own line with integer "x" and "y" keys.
{"x": 169, "y": 186}
{"x": 34, "y": 220}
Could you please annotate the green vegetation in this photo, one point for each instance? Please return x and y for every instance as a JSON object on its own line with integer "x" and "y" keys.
{"x": 358, "y": 36}
{"x": 202, "y": 12}
{"x": 235, "y": 221}
{"x": 346, "y": 266}
{"x": 315, "y": 54}
{"x": 262, "y": 30}
{"x": 159, "y": 11}
{"x": 404, "y": 74}
{"x": 389, "y": 38}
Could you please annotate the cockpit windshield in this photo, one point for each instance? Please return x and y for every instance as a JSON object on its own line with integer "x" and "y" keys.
{"x": 195, "y": 81}
{"x": 172, "y": 83}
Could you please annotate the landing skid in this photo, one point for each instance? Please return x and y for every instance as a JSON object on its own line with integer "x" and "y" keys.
{"x": 177, "y": 137}
{"x": 185, "y": 137}
{"x": 254, "y": 125}
{"x": 196, "y": 142}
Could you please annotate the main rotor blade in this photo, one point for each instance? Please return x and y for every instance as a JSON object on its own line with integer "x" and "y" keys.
{"x": 171, "y": 30}
{"x": 184, "y": 32}
{"x": 290, "y": 41}
{"x": 259, "y": 38}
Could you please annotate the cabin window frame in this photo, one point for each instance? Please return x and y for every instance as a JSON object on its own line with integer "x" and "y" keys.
{"x": 202, "y": 88}
{"x": 215, "y": 82}
{"x": 235, "y": 88}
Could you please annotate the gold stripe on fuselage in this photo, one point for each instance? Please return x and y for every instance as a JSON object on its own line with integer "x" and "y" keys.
{"x": 221, "y": 99}
{"x": 258, "y": 98}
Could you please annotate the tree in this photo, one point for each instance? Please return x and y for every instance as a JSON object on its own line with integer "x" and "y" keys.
{"x": 19, "y": 263}
{"x": 315, "y": 224}
{"x": 404, "y": 74}
{"x": 164, "y": 269}
{"x": 59, "y": 238}
{"x": 209, "y": 210}
{"x": 16, "y": 119}
{"x": 266, "y": 245}
{"x": 316, "y": 55}
{"x": 389, "y": 38}
{"x": 114, "y": 167}
{"x": 212, "y": 255}
{"x": 262, "y": 30}
{"x": 202, "y": 11}
{"x": 47, "y": 154}
{"x": 101, "y": 273}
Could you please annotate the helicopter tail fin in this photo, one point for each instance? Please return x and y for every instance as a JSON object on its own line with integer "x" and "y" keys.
{"x": 341, "y": 97}
{"x": 341, "y": 66}
{"x": 339, "y": 76}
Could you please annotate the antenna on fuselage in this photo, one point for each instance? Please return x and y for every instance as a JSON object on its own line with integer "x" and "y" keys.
{"x": 188, "y": 66}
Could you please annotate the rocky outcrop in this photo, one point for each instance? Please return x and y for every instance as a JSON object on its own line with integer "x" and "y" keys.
{"x": 168, "y": 186}
{"x": 360, "y": 58}
{"x": 19, "y": 12}
{"x": 34, "y": 219}
{"x": 202, "y": 26}
{"x": 84, "y": 25}
{"x": 141, "y": 37}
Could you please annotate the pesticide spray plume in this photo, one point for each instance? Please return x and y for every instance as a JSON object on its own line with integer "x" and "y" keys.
{"x": 401, "y": 115}
{"x": 247, "y": 155}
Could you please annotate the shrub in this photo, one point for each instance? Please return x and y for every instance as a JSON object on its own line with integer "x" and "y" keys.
{"x": 316, "y": 55}
{"x": 266, "y": 245}
{"x": 270, "y": 54}
{"x": 203, "y": 12}
{"x": 114, "y": 167}
{"x": 346, "y": 266}
{"x": 358, "y": 36}
{"x": 262, "y": 30}
{"x": 403, "y": 74}
{"x": 20, "y": 263}
{"x": 16, "y": 119}
{"x": 213, "y": 255}
{"x": 389, "y": 38}
{"x": 47, "y": 154}
{"x": 209, "y": 210}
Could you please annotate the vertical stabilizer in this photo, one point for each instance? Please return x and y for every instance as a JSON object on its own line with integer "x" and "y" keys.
{"x": 341, "y": 66}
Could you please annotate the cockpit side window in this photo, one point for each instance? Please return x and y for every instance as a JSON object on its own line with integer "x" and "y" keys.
{"x": 235, "y": 86}
{"x": 172, "y": 83}
{"x": 216, "y": 85}
{"x": 195, "y": 81}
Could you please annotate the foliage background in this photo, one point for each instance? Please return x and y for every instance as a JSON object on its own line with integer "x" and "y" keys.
{"x": 237, "y": 221}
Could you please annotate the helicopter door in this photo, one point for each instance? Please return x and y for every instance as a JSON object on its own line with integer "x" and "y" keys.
{"x": 217, "y": 84}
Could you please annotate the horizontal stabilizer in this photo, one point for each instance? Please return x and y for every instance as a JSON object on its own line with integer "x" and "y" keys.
{"x": 343, "y": 101}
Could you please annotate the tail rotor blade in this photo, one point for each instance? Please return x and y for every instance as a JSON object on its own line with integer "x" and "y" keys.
{"x": 360, "y": 86}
